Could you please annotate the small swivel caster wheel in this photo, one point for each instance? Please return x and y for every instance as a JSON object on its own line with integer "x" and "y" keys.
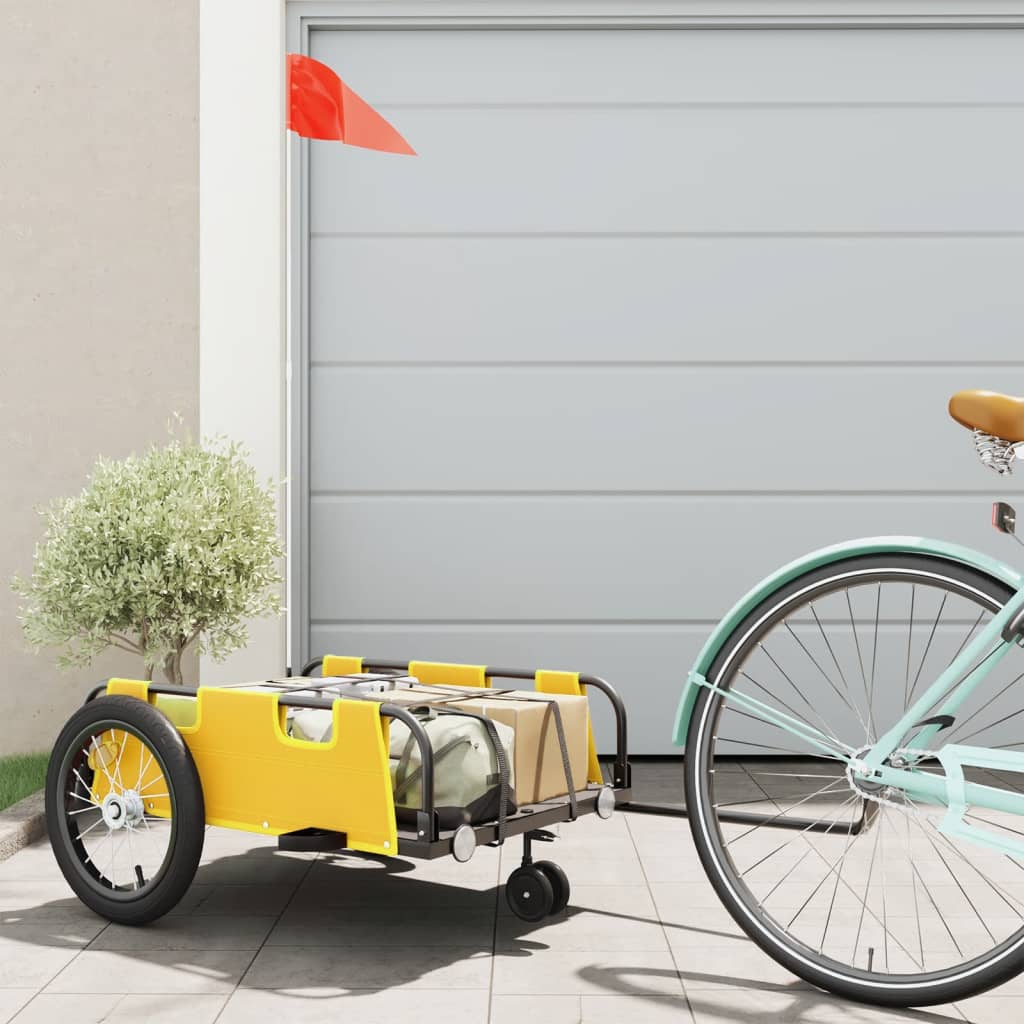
{"x": 529, "y": 893}
{"x": 559, "y": 883}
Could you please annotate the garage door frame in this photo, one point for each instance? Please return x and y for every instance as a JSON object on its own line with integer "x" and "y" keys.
{"x": 304, "y": 17}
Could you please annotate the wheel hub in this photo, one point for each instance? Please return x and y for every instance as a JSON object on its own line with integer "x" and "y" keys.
{"x": 122, "y": 810}
{"x": 857, "y": 775}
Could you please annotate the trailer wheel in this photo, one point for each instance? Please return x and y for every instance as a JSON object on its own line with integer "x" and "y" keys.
{"x": 124, "y": 809}
{"x": 559, "y": 884}
{"x": 529, "y": 893}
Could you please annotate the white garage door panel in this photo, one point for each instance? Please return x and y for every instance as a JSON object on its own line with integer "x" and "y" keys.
{"x": 641, "y": 428}
{"x": 474, "y": 67}
{"x": 675, "y": 299}
{"x": 652, "y": 313}
{"x": 646, "y": 664}
{"x": 584, "y": 559}
{"x": 725, "y": 169}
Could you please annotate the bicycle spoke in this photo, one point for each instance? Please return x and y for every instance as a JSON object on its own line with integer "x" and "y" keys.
{"x": 927, "y": 648}
{"x": 864, "y": 898}
{"x": 775, "y": 817}
{"x": 910, "y": 637}
{"x": 814, "y": 660}
{"x": 764, "y": 689}
{"x": 872, "y": 732}
{"x": 852, "y": 704}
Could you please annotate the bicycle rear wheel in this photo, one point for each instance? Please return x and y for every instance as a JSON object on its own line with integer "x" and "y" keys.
{"x": 857, "y": 891}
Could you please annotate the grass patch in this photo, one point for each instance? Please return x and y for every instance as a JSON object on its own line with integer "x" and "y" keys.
{"x": 20, "y": 775}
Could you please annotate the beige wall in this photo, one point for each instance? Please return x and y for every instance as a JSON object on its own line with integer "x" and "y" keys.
{"x": 98, "y": 278}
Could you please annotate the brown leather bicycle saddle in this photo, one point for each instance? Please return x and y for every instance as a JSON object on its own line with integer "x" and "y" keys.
{"x": 990, "y": 412}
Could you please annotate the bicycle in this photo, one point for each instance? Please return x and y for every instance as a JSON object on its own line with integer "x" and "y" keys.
{"x": 841, "y": 701}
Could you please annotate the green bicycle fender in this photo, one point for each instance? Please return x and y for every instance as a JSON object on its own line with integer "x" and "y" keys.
{"x": 835, "y": 553}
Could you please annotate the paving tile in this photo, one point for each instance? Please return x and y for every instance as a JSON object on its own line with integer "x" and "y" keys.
{"x": 740, "y": 964}
{"x": 549, "y": 1009}
{"x": 386, "y": 1006}
{"x": 747, "y": 1006}
{"x": 188, "y": 932}
{"x": 58, "y": 934}
{"x": 674, "y": 869}
{"x": 673, "y": 904}
{"x": 655, "y": 826}
{"x": 39, "y": 900}
{"x": 246, "y": 869}
{"x": 573, "y": 845}
{"x": 381, "y": 926}
{"x": 632, "y": 902}
{"x": 159, "y": 1009}
{"x": 131, "y": 1009}
{"x": 257, "y": 900}
{"x": 689, "y": 940}
{"x": 558, "y": 973}
{"x": 583, "y": 931}
{"x": 236, "y": 839}
{"x": 649, "y": 1009}
{"x": 608, "y": 871}
{"x": 337, "y": 887}
{"x": 172, "y": 972}
{"x": 32, "y": 965}
{"x": 591, "y": 826}
{"x": 49, "y": 1009}
{"x": 323, "y": 969}
{"x": 993, "y": 1008}
{"x": 12, "y": 1000}
{"x": 481, "y": 870}
{"x": 33, "y": 863}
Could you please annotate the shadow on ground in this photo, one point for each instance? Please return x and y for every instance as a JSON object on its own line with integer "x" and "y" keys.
{"x": 348, "y": 924}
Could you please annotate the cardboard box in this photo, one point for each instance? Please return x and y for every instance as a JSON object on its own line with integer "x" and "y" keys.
{"x": 539, "y": 771}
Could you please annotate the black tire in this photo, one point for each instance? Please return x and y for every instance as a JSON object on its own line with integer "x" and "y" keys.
{"x": 559, "y": 884}
{"x": 1003, "y": 962}
{"x": 184, "y": 829}
{"x": 529, "y": 893}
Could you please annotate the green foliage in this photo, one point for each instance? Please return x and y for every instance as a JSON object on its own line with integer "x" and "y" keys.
{"x": 160, "y": 551}
{"x": 21, "y": 775}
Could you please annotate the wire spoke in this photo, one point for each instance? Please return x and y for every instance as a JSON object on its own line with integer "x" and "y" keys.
{"x": 835, "y": 754}
{"x": 825, "y": 675}
{"x": 852, "y": 703}
{"x": 775, "y": 817}
{"x": 910, "y": 638}
{"x": 927, "y": 648}
{"x": 872, "y": 731}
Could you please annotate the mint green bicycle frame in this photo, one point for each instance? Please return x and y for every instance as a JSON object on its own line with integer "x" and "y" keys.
{"x": 957, "y": 683}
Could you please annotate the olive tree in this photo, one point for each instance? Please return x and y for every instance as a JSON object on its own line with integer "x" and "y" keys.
{"x": 160, "y": 552}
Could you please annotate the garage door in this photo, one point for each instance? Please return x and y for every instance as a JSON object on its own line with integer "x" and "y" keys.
{"x": 653, "y": 312}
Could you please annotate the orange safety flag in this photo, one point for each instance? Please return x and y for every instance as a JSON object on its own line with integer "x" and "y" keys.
{"x": 322, "y": 106}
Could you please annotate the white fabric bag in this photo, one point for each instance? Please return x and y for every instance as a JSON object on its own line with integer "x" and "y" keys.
{"x": 466, "y": 771}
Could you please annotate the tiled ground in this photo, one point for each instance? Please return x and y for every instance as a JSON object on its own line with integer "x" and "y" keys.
{"x": 264, "y": 936}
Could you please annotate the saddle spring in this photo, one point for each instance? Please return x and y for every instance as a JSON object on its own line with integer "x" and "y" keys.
{"x": 995, "y": 452}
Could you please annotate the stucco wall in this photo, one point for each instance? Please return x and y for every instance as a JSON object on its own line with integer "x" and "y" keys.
{"x": 98, "y": 278}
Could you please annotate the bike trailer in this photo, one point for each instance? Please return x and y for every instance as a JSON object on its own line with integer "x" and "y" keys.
{"x": 140, "y": 770}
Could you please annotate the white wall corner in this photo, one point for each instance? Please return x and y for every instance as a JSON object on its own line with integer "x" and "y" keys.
{"x": 242, "y": 338}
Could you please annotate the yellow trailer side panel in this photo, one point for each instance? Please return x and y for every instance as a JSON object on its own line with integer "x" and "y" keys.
{"x": 258, "y": 779}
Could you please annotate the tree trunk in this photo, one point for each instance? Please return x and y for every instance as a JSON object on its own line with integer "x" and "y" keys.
{"x": 172, "y": 665}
